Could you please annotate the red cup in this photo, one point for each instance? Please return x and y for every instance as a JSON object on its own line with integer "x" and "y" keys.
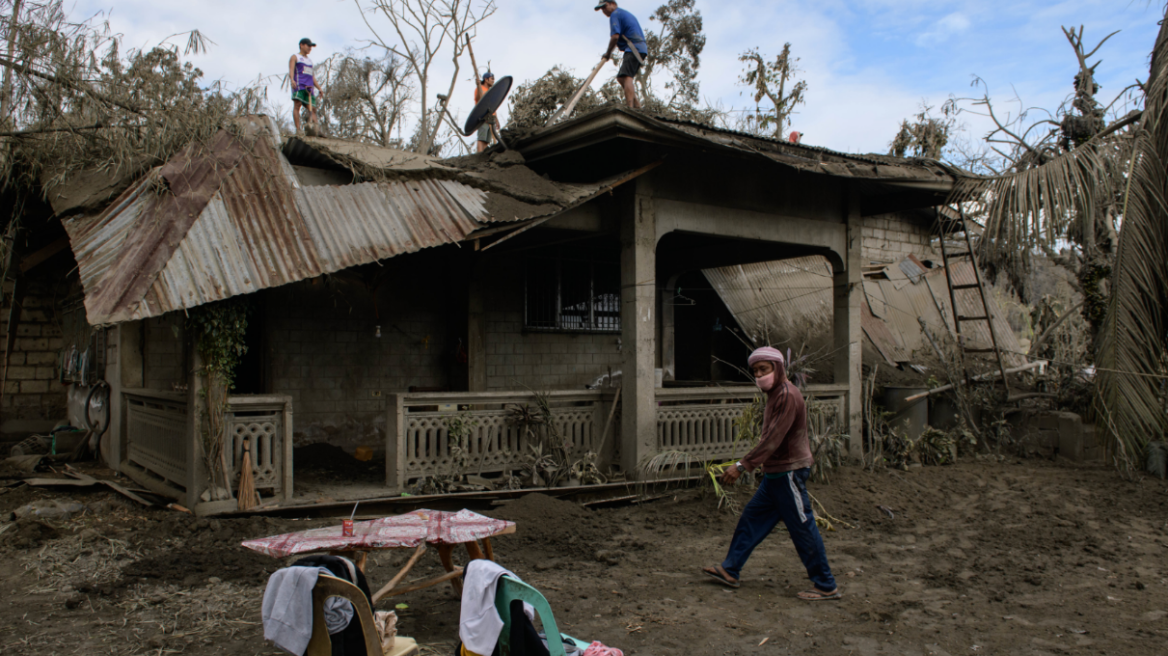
{"x": 347, "y": 528}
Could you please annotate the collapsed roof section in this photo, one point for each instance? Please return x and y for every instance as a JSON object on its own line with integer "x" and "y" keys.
{"x": 232, "y": 217}
{"x": 793, "y": 298}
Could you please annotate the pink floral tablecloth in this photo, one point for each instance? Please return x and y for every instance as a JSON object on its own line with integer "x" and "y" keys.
{"x": 408, "y": 530}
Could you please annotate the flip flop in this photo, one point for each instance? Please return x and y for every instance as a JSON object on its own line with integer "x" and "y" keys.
{"x": 721, "y": 576}
{"x": 819, "y": 595}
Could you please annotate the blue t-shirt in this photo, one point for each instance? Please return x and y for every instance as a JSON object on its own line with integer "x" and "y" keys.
{"x": 623, "y": 23}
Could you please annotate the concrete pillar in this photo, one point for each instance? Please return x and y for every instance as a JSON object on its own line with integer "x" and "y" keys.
{"x": 395, "y": 442}
{"x": 668, "y": 334}
{"x": 197, "y": 476}
{"x": 476, "y": 333}
{"x": 638, "y": 235}
{"x": 847, "y": 333}
{"x": 123, "y": 370}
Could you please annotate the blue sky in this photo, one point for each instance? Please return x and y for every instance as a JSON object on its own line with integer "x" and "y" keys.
{"x": 868, "y": 63}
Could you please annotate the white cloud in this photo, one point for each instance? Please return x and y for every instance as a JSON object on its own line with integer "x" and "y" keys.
{"x": 944, "y": 29}
{"x": 868, "y": 63}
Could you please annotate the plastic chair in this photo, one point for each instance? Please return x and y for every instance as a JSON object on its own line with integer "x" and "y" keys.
{"x": 509, "y": 589}
{"x": 320, "y": 645}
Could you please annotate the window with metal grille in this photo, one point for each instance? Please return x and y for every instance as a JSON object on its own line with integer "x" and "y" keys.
{"x": 573, "y": 295}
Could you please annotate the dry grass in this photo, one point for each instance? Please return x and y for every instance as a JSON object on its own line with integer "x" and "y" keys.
{"x": 59, "y": 564}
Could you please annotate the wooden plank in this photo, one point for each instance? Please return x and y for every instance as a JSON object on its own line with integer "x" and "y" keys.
{"x": 451, "y": 576}
{"x": 401, "y": 573}
{"x": 43, "y": 254}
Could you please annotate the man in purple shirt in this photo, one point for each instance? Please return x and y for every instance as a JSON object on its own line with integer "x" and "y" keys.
{"x": 304, "y": 85}
{"x": 625, "y": 33}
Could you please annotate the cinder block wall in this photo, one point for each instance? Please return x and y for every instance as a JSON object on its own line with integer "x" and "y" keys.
{"x": 888, "y": 238}
{"x": 322, "y": 350}
{"x": 519, "y": 360}
{"x": 162, "y": 350}
{"x": 32, "y": 391}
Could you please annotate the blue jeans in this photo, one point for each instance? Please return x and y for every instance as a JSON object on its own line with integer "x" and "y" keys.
{"x": 783, "y": 498}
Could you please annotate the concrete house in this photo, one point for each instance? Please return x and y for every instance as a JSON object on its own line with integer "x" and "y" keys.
{"x": 391, "y": 291}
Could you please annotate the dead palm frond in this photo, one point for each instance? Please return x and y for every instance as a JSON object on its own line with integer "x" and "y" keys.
{"x": 1131, "y": 355}
{"x": 1034, "y": 208}
{"x": 667, "y": 461}
{"x": 1037, "y": 207}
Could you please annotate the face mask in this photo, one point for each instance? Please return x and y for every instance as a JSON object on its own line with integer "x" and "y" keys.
{"x": 765, "y": 383}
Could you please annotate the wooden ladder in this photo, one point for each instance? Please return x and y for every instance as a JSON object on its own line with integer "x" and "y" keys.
{"x": 986, "y": 313}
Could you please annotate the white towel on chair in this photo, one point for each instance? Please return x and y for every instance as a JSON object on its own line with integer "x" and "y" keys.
{"x": 479, "y": 624}
{"x": 287, "y": 608}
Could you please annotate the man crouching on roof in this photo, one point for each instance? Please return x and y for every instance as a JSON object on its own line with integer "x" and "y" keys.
{"x": 784, "y": 454}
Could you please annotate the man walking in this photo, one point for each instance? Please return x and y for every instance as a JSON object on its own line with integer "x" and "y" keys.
{"x": 784, "y": 455}
{"x": 626, "y": 34}
{"x": 304, "y": 85}
{"x": 481, "y": 89}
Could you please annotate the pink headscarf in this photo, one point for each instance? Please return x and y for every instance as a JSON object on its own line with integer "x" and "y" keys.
{"x": 777, "y": 394}
{"x": 766, "y": 353}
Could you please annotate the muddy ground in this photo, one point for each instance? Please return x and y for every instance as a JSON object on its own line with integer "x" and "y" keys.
{"x": 985, "y": 557}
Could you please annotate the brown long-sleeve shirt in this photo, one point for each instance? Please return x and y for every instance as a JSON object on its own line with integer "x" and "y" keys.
{"x": 785, "y": 446}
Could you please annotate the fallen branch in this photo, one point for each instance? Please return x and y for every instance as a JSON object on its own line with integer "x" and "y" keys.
{"x": 27, "y": 70}
{"x": 994, "y": 375}
{"x": 1034, "y": 348}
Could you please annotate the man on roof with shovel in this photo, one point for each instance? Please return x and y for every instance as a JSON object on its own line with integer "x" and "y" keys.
{"x": 627, "y": 35}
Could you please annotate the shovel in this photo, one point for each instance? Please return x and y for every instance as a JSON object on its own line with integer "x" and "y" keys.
{"x": 566, "y": 110}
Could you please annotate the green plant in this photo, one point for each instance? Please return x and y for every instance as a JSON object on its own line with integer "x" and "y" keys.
{"x": 218, "y": 330}
{"x": 748, "y": 425}
{"x": 724, "y": 495}
{"x": 542, "y": 467}
{"x": 936, "y": 447}
{"x": 551, "y": 451}
{"x": 898, "y": 450}
{"x": 586, "y": 471}
{"x": 458, "y": 430}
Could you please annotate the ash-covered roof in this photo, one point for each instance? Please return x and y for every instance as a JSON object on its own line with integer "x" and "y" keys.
{"x": 232, "y": 217}
{"x": 918, "y": 173}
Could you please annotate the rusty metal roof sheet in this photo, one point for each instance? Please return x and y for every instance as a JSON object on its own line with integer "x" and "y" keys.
{"x": 255, "y": 228}
{"x": 779, "y": 297}
{"x": 514, "y": 191}
{"x": 794, "y": 296}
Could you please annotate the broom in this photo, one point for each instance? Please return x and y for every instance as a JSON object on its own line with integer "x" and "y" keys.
{"x": 248, "y": 498}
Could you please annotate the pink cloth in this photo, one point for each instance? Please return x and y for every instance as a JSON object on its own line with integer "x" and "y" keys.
{"x": 598, "y": 649}
{"x": 408, "y": 530}
{"x": 765, "y": 353}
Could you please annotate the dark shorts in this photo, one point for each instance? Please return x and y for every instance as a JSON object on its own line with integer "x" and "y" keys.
{"x": 629, "y": 65}
{"x": 485, "y": 132}
{"x": 305, "y": 96}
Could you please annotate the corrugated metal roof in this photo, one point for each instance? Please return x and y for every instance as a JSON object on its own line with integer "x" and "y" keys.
{"x": 257, "y": 231}
{"x": 514, "y": 191}
{"x": 779, "y": 297}
{"x": 795, "y": 295}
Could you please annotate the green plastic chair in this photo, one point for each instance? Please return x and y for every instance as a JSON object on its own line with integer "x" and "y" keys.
{"x": 509, "y": 589}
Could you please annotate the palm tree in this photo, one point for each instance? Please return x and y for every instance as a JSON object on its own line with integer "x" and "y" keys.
{"x": 1123, "y": 167}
